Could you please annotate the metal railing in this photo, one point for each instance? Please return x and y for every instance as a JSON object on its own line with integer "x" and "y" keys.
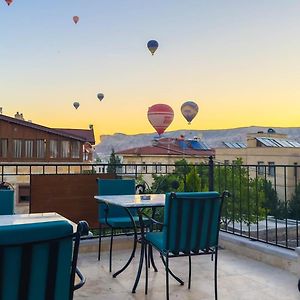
{"x": 264, "y": 203}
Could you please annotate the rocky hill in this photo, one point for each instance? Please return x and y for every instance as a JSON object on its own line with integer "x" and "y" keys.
{"x": 214, "y": 138}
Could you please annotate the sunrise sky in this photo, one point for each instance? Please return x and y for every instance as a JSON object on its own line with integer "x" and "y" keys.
{"x": 238, "y": 60}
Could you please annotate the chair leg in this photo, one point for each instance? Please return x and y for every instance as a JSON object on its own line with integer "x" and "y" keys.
{"x": 110, "y": 250}
{"x": 216, "y": 274}
{"x": 146, "y": 268}
{"x": 172, "y": 274}
{"x": 167, "y": 276}
{"x": 99, "y": 246}
{"x": 151, "y": 258}
{"x": 190, "y": 271}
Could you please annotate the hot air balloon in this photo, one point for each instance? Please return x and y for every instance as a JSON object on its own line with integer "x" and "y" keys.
{"x": 75, "y": 19}
{"x": 9, "y": 2}
{"x": 100, "y": 96}
{"x": 76, "y": 104}
{"x": 189, "y": 110}
{"x": 160, "y": 117}
{"x": 152, "y": 46}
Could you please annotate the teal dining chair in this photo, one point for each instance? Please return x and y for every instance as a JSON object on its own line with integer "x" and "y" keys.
{"x": 38, "y": 261}
{"x": 6, "y": 200}
{"x": 191, "y": 227}
{"x": 115, "y": 217}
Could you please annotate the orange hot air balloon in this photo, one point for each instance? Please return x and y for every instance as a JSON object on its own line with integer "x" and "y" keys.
{"x": 75, "y": 19}
{"x": 9, "y": 2}
{"x": 160, "y": 117}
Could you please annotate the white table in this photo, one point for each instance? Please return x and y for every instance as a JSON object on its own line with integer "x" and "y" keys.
{"x": 134, "y": 201}
{"x": 18, "y": 219}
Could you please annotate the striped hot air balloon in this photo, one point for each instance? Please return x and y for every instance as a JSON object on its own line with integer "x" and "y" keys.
{"x": 160, "y": 117}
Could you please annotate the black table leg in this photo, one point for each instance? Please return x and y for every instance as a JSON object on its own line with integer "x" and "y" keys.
{"x": 134, "y": 246}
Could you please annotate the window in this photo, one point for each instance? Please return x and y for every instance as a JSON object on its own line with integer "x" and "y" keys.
{"x": 271, "y": 168}
{"x": 53, "y": 149}
{"x": 75, "y": 149}
{"x": 260, "y": 168}
{"x": 28, "y": 148}
{"x": 17, "y": 148}
{"x": 3, "y": 147}
{"x": 24, "y": 193}
{"x": 157, "y": 167}
{"x": 40, "y": 148}
{"x": 130, "y": 168}
{"x": 65, "y": 149}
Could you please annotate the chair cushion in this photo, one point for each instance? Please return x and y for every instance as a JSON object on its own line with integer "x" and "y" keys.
{"x": 124, "y": 222}
{"x": 12, "y": 259}
{"x": 156, "y": 239}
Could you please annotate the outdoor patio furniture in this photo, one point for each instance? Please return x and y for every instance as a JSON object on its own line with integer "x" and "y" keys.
{"x": 38, "y": 259}
{"x": 191, "y": 227}
{"x": 6, "y": 199}
{"x": 135, "y": 203}
{"x": 113, "y": 216}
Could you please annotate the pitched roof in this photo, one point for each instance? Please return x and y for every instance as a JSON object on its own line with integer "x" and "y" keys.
{"x": 168, "y": 146}
{"x": 87, "y": 134}
{"x": 41, "y": 128}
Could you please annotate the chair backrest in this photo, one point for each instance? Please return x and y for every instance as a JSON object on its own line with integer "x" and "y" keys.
{"x": 192, "y": 221}
{"x": 114, "y": 187}
{"x": 36, "y": 261}
{"x": 6, "y": 202}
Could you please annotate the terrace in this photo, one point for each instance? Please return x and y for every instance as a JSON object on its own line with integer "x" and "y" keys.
{"x": 239, "y": 278}
{"x": 259, "y": 253}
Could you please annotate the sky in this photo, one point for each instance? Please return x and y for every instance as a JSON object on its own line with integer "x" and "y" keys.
{"x": 238, "y": 60}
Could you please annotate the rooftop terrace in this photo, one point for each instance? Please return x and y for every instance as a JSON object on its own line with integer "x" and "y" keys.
{"x": 239, "y": 278}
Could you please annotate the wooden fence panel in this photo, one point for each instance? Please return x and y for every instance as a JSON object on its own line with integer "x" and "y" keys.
{"x": 70, "y": 195}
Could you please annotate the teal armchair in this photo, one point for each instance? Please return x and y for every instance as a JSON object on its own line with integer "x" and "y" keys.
{"x": 38, "y": 261}
{"x": 191, "y": 227}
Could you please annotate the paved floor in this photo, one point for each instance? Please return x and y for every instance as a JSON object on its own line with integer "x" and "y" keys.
{"x": 240, "y": 278}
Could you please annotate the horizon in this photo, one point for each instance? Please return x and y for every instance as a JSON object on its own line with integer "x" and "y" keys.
{"x": 215, "y": 129}
{"x": 238, "y": 61}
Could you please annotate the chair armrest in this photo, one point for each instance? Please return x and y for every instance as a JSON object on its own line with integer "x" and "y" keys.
{"x": 82, "y": 280}
{"x": 153, "y": 220}
{"x": 83, "y": 228}
{"x": 226, "y": 194}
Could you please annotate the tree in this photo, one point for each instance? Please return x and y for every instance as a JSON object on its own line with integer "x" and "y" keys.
{"x": 294, "y": 205}
{"x": 252, "y": 199}
{"x": 113, "y": 163}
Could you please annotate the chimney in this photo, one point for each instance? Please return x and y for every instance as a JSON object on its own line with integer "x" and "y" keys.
{"x": 0, "y": 110}
{"x": 91, "y": 126}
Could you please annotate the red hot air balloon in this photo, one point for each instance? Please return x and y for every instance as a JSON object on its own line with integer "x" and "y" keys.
{"x": 160, "y": 116}
{"x": 9, "y": 2}
{"x": 75, "y": 19}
